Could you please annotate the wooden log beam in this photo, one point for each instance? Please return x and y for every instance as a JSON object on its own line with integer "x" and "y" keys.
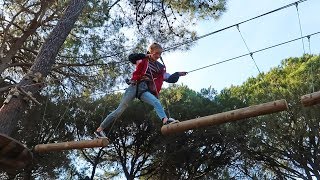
{"x": 252, "y": 111}
{"x": 310, "y": 99}
{"x": 41, "y": 148}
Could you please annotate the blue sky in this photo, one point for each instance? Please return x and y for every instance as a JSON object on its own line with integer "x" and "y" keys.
{"x": 260, "y": 33}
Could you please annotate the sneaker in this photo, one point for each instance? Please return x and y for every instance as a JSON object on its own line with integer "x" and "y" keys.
{"x": 100, "y": 134}
{"x": 170, "y": 121}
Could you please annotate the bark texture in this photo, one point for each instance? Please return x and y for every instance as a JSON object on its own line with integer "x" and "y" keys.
{"x": 11, "y": 111}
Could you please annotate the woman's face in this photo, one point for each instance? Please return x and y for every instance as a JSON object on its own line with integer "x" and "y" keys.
{"x": 155, "y": 54}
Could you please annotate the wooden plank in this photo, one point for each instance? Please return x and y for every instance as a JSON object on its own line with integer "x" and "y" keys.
{"x": 310, "y": 99}
{"x": 41, "y": 148}
{"x": 238, "y": 114}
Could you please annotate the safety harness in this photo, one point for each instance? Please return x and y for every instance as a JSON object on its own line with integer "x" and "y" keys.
{"x": 147, "y": 81}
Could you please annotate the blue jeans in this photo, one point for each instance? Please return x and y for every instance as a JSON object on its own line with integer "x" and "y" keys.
{"x": 128, "y": 96}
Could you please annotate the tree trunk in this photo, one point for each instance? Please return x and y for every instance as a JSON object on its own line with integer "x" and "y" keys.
{"x": 13, "y": 110}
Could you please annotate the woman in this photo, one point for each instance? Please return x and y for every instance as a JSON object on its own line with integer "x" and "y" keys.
{"x": 145, "y": 84}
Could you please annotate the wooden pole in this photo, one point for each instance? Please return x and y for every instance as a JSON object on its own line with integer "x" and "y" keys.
{"x": 41, "y": 148}
{"x": 310, "y": 99}
{"x": 252, "y": 111}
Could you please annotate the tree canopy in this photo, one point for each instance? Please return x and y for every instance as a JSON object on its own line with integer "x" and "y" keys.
{"x": 96, "y": 38}
{"x": 91, "y": 58}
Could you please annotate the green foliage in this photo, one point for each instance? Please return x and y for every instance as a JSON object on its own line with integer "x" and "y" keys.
{"x": 265, "y": 147}
{"x": 284, "y": 144}
{"x": 279, "y": 146}
{"x": 199, "y": 9}
{"x": 94, "y": 54}
{"x": 183, "y": 103}
{"x": 92, "y": 59}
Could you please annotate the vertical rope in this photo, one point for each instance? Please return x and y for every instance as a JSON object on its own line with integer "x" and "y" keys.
{"x": 251, "y": 54}
{"x": 57, "y": 126}
{"x": 309, "y": 45}
{"x": 168, "y": 109}
{"x": 43, "y": 118}
{"x": 304, "y": 51}
{"x": 268, "y": 90}
{"x": 311, "y": 68}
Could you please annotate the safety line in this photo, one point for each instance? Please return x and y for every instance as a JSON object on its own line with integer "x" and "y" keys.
{"x": 211, "y": 33}
{"x": 300, "y": 27}
{"x": 214, "y": 32}
{"x": 237, "y": 57}
{"x": 253, "y": 52}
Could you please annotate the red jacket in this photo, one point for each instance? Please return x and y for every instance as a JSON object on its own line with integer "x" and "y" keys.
{"x": 141, "y": 68}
